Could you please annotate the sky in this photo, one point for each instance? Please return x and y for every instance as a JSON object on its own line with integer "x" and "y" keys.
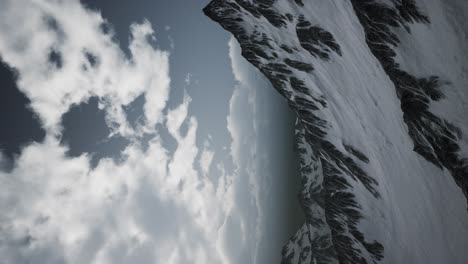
{"x": 134, "y": 131}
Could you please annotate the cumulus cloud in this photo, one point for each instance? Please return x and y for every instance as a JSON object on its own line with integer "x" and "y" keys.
{"x": 152, "y": 206}
{"x": 4, "y": 161}
{"x": 64, "y": 57}
{"x": 262, "y": 137}
{"x": 243, "y": 226}
{"x": 206, "y": 158}
{"x": 148, "y": 207}
{"x": 188, "y": 79}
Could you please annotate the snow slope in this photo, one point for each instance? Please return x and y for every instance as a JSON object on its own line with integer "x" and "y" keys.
{"x": 380, "y": 91}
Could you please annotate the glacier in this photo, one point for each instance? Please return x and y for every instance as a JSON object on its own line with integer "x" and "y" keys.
{"x": 380, "y": 93}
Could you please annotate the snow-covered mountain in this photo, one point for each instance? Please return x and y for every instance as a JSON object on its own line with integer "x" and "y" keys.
{"x": 380, "y": 89}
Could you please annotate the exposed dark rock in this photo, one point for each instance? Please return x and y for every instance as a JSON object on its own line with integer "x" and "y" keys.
{"x": 299, "y": 2}
{"x": 317, "y": 41}
{"x": 305, "y": 67}
{"x": 434, "y": 138}
{"x": 287, "y": 49}
{"x": 330, "y": 205}
{"x": 358, "y": 154}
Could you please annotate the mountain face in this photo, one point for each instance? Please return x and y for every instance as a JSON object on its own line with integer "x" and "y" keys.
{"x": 380, "y": 89}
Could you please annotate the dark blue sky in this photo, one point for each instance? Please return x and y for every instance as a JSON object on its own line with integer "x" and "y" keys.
{"x": 198, "y": 50}
{"x": 266, "y": 180}
{"x": 19, "y": 125}
{"x": 199, "y": 64}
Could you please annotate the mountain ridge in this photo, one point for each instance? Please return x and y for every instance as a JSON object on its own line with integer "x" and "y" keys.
{"x": 292, "y": 44}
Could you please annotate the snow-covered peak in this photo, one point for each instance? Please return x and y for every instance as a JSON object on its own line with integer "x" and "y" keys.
{"x": 380, "y": 129}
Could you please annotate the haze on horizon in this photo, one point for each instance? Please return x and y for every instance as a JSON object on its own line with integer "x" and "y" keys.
{"x": 136, "y": 132}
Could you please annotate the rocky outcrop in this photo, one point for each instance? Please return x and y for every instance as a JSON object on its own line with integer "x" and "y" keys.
{"x": 332, "y": 212}
{"x": 331, "y": 169}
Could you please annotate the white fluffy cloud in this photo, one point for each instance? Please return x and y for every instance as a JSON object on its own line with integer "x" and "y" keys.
{"x": 243, "y": 227}
{"x": 87, "y": 61}
{"x": 148, "y": 207}
{"x": 153, "y": 206}
{"x": 266, "y": 178}
{"x": 206, "y": 158}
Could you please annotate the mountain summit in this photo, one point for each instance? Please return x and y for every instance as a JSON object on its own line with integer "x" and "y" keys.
{"x": 380, "y": 93}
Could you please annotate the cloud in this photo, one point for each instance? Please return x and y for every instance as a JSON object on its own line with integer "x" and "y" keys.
{"x": 154, "y": 205}
{"x": 243, "y": 225}
{"x": 87, "y": 215}
{"x": 150, "y": 207}
{"x": 206, "y": 158}
{"x": 3, "y": 161}
{"x": 188, "y": 79}
{"x": 63, "y": 58}
{"x": 262, "y": 137}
